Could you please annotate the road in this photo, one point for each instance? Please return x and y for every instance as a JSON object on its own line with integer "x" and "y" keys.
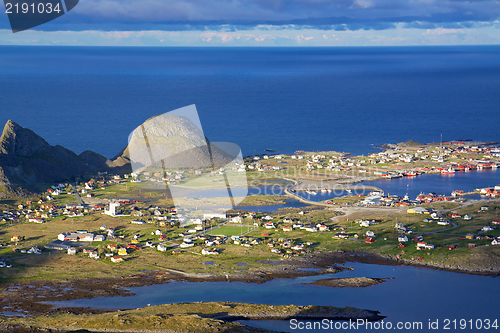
{"x": 80, "y": 202}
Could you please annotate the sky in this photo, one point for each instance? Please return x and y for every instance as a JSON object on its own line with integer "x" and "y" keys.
{"x": 267, "y": 23}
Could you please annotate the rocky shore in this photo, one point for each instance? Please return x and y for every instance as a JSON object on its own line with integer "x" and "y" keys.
{"x": 191, "y": 317}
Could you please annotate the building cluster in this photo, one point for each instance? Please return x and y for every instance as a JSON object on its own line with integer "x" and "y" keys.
{"x": 80, "y": 236}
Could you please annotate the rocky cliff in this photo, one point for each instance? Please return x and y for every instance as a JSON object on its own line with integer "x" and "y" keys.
{"x": 28, "y": 163}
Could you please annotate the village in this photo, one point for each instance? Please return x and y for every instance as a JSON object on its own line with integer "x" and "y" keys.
{"x": 393, "y": 162}
{"x": 112, "y": 218}
{"x": 138, "y": 228}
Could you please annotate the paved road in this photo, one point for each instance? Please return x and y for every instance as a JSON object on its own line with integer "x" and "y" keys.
{"x": 80, "y": 202}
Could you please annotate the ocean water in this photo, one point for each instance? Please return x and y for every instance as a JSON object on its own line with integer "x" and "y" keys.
{"x": 288, "y": 99}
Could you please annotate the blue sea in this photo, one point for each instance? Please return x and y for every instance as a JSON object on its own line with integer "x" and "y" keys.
{"x": 287, "y": 99}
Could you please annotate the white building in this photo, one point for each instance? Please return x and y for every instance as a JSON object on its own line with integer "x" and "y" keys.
{"x": 110, "y": 208}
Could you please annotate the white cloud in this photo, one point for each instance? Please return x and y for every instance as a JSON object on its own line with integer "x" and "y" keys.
{"x": 257, "y": 37}
{"x": 442, "y": 31}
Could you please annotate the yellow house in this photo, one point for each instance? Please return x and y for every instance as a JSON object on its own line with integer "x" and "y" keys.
{"x": 122, "y": 252}
{"x": 116, "y": 259}
{"x": 417, "y": 210}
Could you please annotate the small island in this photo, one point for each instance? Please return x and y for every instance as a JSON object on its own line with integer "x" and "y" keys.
{"x": 356, "y": 282}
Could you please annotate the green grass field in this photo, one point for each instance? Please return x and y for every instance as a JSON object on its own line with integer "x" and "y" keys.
{"x": 229, "y": 230}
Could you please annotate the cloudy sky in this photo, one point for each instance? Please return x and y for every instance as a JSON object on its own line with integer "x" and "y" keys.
{"x": 268, "y": 23}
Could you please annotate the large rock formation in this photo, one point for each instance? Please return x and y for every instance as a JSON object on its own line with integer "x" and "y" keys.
{"x": 28, "y": 163}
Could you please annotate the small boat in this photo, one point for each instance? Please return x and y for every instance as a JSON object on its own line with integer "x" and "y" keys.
{"x": 450, "y": 171}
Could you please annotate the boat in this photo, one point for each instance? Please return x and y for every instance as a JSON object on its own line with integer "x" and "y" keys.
{"x": 450, "y": 171}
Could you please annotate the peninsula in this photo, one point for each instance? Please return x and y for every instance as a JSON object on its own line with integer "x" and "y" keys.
{"x": 91, "y": 228}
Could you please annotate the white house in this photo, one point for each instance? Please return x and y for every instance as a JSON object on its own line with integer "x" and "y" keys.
{"x": 365, "y": 223}
{"x": 402, "y": 238}
{"x": 269, "y": 225}
{"x": 94, "y": 255}
{"x": 486, "y": 228}
{"x": 322, "y": 227}
{"x": 161, "y": 248}
{"x": 99, "y": 238}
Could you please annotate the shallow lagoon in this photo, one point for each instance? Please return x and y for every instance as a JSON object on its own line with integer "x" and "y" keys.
{"x": 417, "y": 294}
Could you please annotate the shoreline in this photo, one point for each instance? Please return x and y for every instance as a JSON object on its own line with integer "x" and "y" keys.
{"x": 192, "y": 317}
{"x": 327, "y": 263}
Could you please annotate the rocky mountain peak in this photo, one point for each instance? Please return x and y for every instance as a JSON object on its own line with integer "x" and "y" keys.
{"x": 17, "y": 140}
